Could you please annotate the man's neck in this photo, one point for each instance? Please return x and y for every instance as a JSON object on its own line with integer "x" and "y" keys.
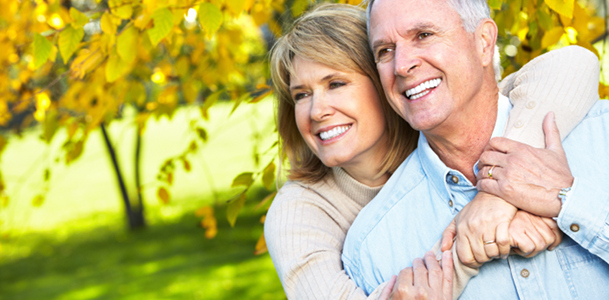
{"x": 460, "y": 145}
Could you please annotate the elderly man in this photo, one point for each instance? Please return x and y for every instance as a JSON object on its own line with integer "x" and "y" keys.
{"x": 435, "y": 62}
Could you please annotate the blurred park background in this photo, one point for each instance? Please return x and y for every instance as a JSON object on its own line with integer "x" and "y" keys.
{"x": 139, "y": 149}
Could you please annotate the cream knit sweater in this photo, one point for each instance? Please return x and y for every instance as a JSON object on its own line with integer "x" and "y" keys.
{"x": 307, "y": 223}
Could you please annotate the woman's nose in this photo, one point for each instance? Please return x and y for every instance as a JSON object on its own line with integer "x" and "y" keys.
{"x": 321, "y": 108}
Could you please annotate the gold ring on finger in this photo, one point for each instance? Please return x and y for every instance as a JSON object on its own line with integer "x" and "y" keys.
{"x": 490, "y": 172}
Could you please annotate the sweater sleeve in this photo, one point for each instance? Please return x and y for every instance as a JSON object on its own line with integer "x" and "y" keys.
{"x": 564, "y": 81}
{"x": 305, "y": 243}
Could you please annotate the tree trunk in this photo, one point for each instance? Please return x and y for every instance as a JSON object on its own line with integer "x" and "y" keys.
{"x": 135, "y": 217}
{"x": 138, "y": 182}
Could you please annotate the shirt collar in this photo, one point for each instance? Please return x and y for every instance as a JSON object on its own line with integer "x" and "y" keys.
{"x": 436, "y": 170}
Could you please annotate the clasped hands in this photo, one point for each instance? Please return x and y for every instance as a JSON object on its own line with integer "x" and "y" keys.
{"x": 515, "y": 203}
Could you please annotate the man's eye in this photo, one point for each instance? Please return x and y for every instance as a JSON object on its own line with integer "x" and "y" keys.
{"x": 336, "y": 84}
{"x": 423, "y": 35}
{"x": 382, "y": 54}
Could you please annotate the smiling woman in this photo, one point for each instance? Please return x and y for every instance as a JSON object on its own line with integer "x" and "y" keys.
{"x": 340, "y": 118}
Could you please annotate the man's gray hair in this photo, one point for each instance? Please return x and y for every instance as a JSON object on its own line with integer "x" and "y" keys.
{"x": 472, "y": 12}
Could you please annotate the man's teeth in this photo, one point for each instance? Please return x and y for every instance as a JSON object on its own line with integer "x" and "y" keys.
{"x": 422, "y": 89}
{"x": 334, "y": 132}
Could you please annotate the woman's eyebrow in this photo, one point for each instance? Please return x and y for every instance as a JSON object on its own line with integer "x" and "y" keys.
{"x": 324, "y": 79}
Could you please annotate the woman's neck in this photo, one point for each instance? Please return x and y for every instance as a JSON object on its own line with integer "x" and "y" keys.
{"x": 367, "y": 174}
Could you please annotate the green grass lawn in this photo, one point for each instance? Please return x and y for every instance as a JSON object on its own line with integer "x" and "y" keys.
{"x": 76, "y": 245}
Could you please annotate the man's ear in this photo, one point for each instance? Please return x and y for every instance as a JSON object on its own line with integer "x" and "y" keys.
{"x": 486, "y": 35}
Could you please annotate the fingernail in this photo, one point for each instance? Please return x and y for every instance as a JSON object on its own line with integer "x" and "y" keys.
{"x": 504, "y": 256}
{"x": 551, "y": 248}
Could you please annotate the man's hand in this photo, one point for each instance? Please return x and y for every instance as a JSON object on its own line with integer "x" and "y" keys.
{"x": 482, "y": 230}
{"x": 527, "y": 177}
{"x": 426, "y": 279}
{"x": 532, "y": 234}
{"x": 528, "y": 235}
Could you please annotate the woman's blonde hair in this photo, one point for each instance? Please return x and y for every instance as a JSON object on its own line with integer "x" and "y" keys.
{"x": 333, "y": 35}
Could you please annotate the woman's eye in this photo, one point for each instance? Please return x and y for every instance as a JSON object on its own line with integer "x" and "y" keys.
{"x": 334, "y": 85}
{"x": 299, "y": 96}
{"x": 424, "y": 35}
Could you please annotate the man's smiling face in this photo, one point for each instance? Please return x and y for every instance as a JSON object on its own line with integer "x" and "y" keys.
{"x": 430, "y": 66}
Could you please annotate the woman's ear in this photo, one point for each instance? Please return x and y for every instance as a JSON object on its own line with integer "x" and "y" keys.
{"x": 486, "y": 36}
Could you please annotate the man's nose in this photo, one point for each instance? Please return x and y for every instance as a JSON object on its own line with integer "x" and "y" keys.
{"x": 406, "y": 61}
{"x": 321, "y": 107}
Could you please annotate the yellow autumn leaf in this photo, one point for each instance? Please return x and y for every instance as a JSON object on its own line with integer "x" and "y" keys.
{"x": 235, "y": 6}
{"x": 210, "y": 18}
{"x": 69, "y": 39}
{"x": 163, "y": 23}
{"x": 563, "y": 7}
{"x": 163, "y": 195}
{"x": 38, "y": 200}
{"x": 107, "y": 25}
{"x": 116, "y": 67}
{"x": 552, "y": 37}
{"x": 78, "y": 19}
{"x": 260, "y": 246}
{"x": 126, "y": 44}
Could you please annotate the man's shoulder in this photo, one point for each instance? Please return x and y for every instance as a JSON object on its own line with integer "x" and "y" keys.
{"x": 599, "y": 109}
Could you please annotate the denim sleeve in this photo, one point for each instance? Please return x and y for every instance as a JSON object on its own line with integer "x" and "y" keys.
{"x": 584, "y": 217}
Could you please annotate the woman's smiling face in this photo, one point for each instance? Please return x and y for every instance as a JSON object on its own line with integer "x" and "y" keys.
{"x": 339, "y": 115}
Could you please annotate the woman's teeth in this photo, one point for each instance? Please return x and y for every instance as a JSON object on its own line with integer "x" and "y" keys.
{"x": 334, "y": 132}
{"x": 422, "y": 89}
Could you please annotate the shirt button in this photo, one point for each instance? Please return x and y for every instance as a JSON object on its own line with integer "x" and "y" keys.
{"x": 450, "y": 203}
{"x": 519, "y": 124}
{"x": 531, "y": 104}
{"x": 525, "y": 273}
{"x": 455, "y": 179}
{"x": 574, "y": 227}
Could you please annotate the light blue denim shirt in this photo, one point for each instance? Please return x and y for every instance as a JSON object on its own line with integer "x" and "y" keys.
{"x": 422, "y": 197}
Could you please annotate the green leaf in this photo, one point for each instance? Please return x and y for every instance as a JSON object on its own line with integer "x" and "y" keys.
{"x": 238, "y": 102}
{"x": 42, "y": 50}
{"x": 202, "y": 133}
{"x": 126, "y": 44}
{"x": 78, "y": 19}
{"x": 69, "y": 39}
{"x": 48, "y": 32}
{"x": 299, "y": 7}
{"x": 115, "y": 67}
{"x": 545, "y": 20}
{"x": 266, "y": 199}
{"x": 563, "y": 7}
{"x": 495, "y": 4}
{"x": 268, "y": 176}
{"x": 210, "y": 17}
{"x": 234, "y": 207}
{"x": 163, "y": 23}
{"x": 213, "y": 98}
{"x": 245, "y": 179}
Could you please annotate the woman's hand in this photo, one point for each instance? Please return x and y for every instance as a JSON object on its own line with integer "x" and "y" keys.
{"x": 426, "y": 279}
